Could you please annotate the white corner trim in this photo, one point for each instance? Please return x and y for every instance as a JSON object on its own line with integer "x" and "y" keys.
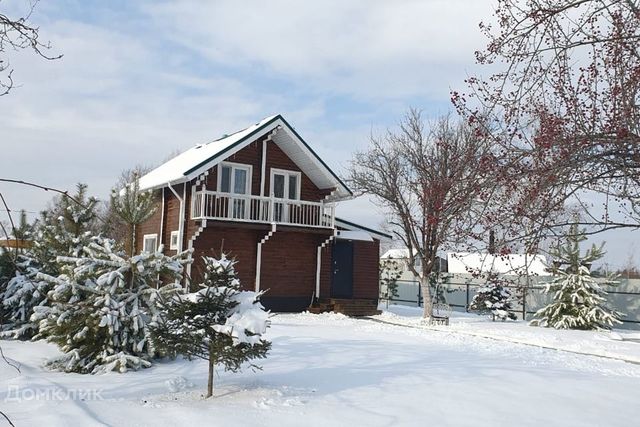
{"x": 259, "y": 254}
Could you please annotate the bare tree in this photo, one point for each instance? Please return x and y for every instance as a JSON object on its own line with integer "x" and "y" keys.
{"x": 432, "y": 183}
{"x": 564, "y": 107}
{"x": 19, "y": 34}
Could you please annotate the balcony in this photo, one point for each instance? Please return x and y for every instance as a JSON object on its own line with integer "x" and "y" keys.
{"x": 213, "y": 205}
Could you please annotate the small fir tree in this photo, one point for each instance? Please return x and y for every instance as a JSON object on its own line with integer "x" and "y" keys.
{"x": 578, "y": 300}
{"x": 219, "y": 323}
{"x": 495, "y": 298}
{"x": 390, "y": 272}
{"x": 133, "y": 207}
{"x": 101, "y": 308}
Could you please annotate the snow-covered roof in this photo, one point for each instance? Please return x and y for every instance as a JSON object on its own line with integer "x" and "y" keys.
{"x": 201, "y": 157}
{"x": 352, "y": 226}
{"x": 402, "y": 253}
{"x": 515, "y": 264}
{"x": 354, "y": 235}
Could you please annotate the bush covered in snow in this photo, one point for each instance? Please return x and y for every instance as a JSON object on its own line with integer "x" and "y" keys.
{"x": 493, "y": 298}
{"x": 101, "y": 307}
{"x": 219, "y": 323}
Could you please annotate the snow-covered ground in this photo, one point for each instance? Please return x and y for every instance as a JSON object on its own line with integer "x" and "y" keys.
{"x": 327, "y": 370}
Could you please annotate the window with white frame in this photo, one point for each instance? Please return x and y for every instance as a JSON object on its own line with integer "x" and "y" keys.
{"x": 234, "y": 178}
{"x": 285, "y": 184}
{"x": 150, "y": 243}
{"x": 173, "y": 240}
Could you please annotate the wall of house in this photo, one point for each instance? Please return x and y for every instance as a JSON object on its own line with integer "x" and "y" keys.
{"x": 238, "y": 242}
{"x": 366, "y": 272}
{"x": 289, "y": 269}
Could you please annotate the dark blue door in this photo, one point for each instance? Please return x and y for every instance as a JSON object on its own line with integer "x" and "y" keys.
{"x": 342, "y": 265}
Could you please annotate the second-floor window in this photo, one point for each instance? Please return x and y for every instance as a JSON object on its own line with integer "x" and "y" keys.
{"x": 285, "y": 184}
{"x": 234, "y": 178}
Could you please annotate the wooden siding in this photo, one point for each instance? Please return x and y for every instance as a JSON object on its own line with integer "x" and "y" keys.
{"x": 238, "y": 242}
{"x": 289, "y": 264}
{"x": 366, "y": 275}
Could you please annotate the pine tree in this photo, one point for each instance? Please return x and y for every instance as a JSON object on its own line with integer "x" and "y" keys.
{"x": 495, "y": 298}
{"x": 61, "y": 230}
{"x": 578, "y": 300}
{"x": 133, "y": 207}
{"x": 101, "y": 307}
{"x": 219, "y": 323}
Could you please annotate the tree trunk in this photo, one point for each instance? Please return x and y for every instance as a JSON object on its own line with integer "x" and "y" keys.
{"x": 133, "y": 239}
{"x": 426, "y": 297}
{"x": 212, "y": 365}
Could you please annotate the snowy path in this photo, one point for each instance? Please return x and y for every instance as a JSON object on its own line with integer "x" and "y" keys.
{"x": 328, "y": 370}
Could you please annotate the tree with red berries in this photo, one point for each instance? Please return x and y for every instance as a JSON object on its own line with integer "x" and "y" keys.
{"x": 563, "y": 110}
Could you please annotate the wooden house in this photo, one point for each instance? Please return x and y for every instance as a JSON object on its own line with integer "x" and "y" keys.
{"x": 265, "y": 197}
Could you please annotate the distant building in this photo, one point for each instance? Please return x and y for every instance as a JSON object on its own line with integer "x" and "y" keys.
{"x": 509, "y": 265}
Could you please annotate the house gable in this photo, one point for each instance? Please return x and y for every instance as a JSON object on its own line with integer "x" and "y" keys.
{"x": 197, "y": 160}
{"x": 252, "y": 155}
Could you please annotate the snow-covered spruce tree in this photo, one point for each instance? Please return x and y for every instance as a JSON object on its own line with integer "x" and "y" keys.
{"x": 495, "y": 298}
{"x": 578, "y": 300}
{"x": 219, "y": 323}
{"x": 61, "y": 230}
{"x": 100, "y": 309}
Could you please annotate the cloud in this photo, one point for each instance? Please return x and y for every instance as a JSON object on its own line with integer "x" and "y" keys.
{"x": 369, "y": 49}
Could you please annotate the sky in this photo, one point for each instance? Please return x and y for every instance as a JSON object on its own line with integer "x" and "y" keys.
{"x": 140, "y": 81}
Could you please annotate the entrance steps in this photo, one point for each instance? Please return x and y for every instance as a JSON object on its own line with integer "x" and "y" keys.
{"x": 348, "y": 307}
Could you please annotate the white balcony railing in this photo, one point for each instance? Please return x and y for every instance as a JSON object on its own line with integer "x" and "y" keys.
{"x": 249, "y": 208}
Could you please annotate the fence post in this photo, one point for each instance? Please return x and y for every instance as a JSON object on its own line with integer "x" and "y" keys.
{"x": 524, "y": 303}
{"x": 466, "y": 307}
{"x": 419, "y": 295}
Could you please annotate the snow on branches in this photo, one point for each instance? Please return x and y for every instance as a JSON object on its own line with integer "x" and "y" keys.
{"x": 493, "y": 298}
{"x": 219, "y": 323}
{"x": 578, "y": 299}
{"x": 101, "y": 308}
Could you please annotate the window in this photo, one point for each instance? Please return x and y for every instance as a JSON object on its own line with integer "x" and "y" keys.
{"x": 234, "y": 178}
{"x": 285, "y": 184}
{"x": 150, "y": 243}
{"x": 173, "y": 241}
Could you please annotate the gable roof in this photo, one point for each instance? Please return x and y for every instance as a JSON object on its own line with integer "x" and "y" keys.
{"x": 196, "y": 160}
